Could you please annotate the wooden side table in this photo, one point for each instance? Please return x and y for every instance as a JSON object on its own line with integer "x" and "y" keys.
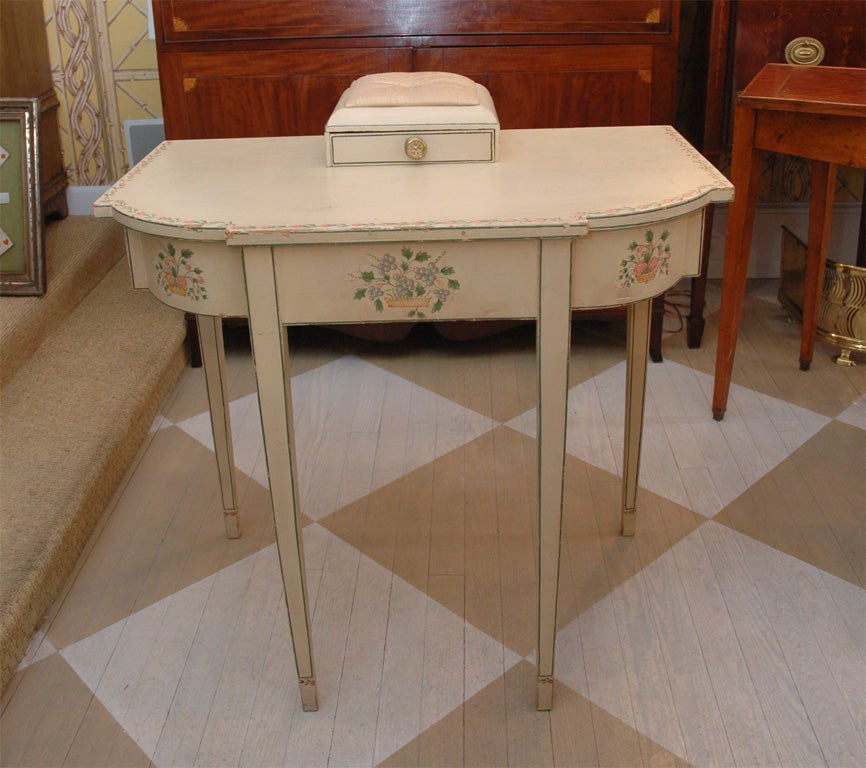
{"x": 817, "y": 113}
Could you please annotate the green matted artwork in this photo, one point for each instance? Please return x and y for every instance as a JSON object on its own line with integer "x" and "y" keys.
{"x": 22, "y": 250}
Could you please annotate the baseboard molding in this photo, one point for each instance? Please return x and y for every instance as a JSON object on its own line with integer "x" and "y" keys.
{"x": 765, "y": 257}
{"x": 80, "y": 199}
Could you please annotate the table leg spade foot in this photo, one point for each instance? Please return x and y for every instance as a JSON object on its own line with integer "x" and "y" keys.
{"x": 627, "y": 524}
{"x": 232, "y": 522}
{"x": 545, "y": 693}
{"x": 309, "y": 694}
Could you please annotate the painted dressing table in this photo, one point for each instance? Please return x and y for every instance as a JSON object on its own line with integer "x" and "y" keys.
{"x": 567, "y": 218}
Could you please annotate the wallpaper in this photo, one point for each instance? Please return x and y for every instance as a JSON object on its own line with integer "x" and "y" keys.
{"x": 104, "y": 71}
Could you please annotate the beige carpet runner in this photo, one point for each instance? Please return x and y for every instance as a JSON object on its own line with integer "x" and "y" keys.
{"x": 83, "y": 372}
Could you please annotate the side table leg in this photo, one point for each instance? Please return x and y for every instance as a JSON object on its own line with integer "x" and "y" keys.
{"x": 210, "y": 338}
{"x": 657, "y": 322}
{"x": 271, "y": 354}
{"x": 637, "y": 345}
{"x": 695, "y": 322}
{"x": 745, "y": 172}
{"x": 820, "y": 211}
{"x": 192, "y": 340}
{"x": 553, "y": 345}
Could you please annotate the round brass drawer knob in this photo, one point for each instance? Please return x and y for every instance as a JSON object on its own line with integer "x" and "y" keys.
{"x": 416, "y": 148}
{"x": 805, "y": 51}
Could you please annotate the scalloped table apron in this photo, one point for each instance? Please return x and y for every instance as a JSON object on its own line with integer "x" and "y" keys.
{"x": 567, "y": 218}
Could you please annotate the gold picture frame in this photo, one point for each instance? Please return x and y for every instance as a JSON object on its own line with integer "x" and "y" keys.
{"x": 22, "y": 247}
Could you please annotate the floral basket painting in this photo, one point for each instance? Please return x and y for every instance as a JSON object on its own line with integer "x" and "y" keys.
{"x": 178, "y": 276}
{"x": 415, "y": 281}
{"x": 645, "y": 260}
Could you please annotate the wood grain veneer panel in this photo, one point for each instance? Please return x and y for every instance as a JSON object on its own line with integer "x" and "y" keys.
{"x": 263, "y": 93}
{"x": 190, "y": 20}
{"x": 540, "y": 87}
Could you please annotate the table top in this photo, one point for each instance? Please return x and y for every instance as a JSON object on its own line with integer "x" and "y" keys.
{"x": 820, "y": 90}
{"x": 548, "y": 182}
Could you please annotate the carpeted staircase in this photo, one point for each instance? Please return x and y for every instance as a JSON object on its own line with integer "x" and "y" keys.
{"x": 83, "y": 372}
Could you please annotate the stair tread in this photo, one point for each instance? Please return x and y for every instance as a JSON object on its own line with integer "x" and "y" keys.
{"x": 80, "y": 251}
{"x": 73, "y": 417}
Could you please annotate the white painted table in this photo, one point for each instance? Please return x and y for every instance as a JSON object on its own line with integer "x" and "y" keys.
{"x": 261, "y": 228}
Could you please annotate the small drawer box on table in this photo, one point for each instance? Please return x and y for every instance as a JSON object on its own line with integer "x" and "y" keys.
{"x": 413, "y": 117}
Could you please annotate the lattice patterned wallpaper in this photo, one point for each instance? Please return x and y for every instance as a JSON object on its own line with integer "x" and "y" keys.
{"x": 104, "y": 71}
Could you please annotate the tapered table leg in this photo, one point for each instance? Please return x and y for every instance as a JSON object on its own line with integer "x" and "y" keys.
{"x": 553, "y": 340}
{"x": 210, "y": 339}
{"x": 745, "y": 170}
{"x": 657, "y": 324}
{"x": 637, "y": 344}
{"x": 271, "y": 353}
{"x": 695, "y": 322}
{"x": 820, "y": 211}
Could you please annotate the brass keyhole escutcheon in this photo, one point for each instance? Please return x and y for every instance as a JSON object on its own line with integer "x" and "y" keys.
{"x": 415, "y": 148}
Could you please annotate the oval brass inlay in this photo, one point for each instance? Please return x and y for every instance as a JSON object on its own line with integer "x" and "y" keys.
{"x": 805, "y": 51}
{"x": 415, "y": 148}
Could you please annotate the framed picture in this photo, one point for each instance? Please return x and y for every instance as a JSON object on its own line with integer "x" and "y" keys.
{"x": 22, "y": 249}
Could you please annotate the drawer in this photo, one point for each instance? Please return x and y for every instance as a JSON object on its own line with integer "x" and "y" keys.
{"x": 200, "y": 276}
{"x": 618, "y": 266}
{"x": 381, "y": 147}
{"x": 404, "y": 282}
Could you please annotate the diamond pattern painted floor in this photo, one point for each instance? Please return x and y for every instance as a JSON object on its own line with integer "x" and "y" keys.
{"x": 730, "y": 631}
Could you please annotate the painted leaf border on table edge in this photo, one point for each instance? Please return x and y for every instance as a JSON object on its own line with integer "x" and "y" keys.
{"x": 579, "y": 220}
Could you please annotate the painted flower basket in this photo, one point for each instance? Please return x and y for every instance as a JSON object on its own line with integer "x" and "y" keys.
{"x": 646, "y": 260}
{"x": 178, "y": 276}
{"x": 415, "y": 281}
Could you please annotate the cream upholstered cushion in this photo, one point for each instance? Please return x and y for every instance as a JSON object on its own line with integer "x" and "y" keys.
{"x": 412, "y": 89}
{"x": 416, "y": 99}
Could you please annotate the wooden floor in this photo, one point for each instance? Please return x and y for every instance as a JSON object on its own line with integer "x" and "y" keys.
{"x": 730, "y": 631}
